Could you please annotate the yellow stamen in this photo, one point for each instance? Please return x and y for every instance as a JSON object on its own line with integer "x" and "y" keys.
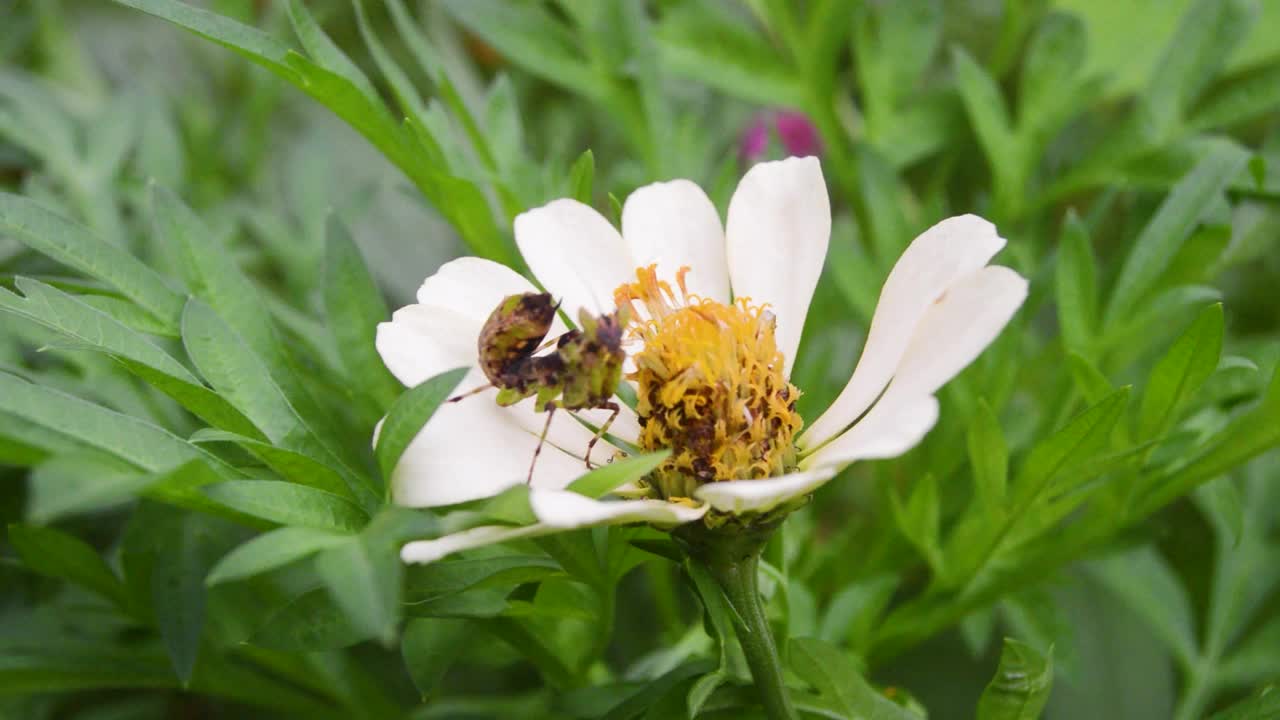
{"x": 712, "y": 387}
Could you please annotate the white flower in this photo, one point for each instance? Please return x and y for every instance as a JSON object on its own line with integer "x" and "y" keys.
{"x": 939, "y": 308}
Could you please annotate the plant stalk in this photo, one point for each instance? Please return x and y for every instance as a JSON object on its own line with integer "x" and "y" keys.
{"x": 733, "y": 560}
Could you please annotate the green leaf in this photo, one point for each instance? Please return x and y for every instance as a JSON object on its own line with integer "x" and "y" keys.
{"x": 1055, "y": 55}
{"x": 606, "y": 478}
{"x": 1252, "y": 94}
{"x": 354, "y": 307}
{"x": 1076, "y": 443}
{"x": 429, "y": 647}
{"x": 223, "y": 358}
{"x": 1208, "y": 33}
{"x": 244, "y": 39}
{"x": 989, "y": 116}
{"x": 308, "y": 623}
{"x": 837, "y": 679}
{"x": 289, "y": 504}
{"x": 1143, "y": 580}
{"x": 365, "y": 577}
{"x": 88, "y": 326}
{"x": 1265, "y": 703}
{"x": 410, "y": 413}
{"x": 323, "y": 50}
{"x": 185, "y": 548}
{"x": 211, "y": 273}
{"x": 919, "y": 519}
{"x": 1181, "y": 372}
{"x": 1076, "y": 286}
{"x": 988, "y": 456}
{"x": 530, "y": 37}
{"x": 1088, "y": 379}
{"x": 435, "y": 580}
{"x": 49, "y": 233}
{"x": 270, "y": 551}
{"x": 726, "y": 54}
{"x": 123, "y": 436}
{"x": 292, "y": 466}
{"x": 56, "y": 554}
{"x": 73, "y": 483}
{"x": 1172, "y": 223}
{"x": 1247, "y": 435}
{"x": 581, "y": 176}
{"x": 1021, "y": 686}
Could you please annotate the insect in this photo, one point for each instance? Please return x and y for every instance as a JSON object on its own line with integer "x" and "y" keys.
{"x": 581, "y": 373}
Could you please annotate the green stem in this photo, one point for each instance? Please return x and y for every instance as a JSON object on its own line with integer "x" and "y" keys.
{"x": 733, "y": 559}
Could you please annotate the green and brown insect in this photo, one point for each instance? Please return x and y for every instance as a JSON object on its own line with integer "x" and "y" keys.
{"x": 581, "y": 373}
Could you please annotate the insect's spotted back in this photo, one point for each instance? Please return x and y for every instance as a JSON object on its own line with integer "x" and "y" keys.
{"x": 512, "y": 333}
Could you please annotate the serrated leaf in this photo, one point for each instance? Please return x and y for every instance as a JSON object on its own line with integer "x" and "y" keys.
{"x": 289, "y": 504}
{"x": 409, "y": 414}
{"x": 1021, "y": 686}
{"x": 56, "y": 554}
{"x": 65, "y": 241}
{"x": 270, "y": 551}
{"x": 606, "y": 478}
{"x": 1181, "y": 372}
{"x": 1171, "y": 225}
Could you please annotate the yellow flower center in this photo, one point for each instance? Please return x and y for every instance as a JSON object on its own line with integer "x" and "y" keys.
{"x": 711, "y": 386}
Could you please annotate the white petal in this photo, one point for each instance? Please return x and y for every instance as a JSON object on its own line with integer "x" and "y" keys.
{"x": 889, "y": 430}
{"x": 777, "y": 232}
{"x": 421, "y": 342}
{"x": 576, "y": 254}
{"x": 673, "y": 224}
{"x": 429, "y": 551}
{"x": 565, "y": 510}
{"x": 557, "y": 511}
{"x": 933, "y": 262}
{"x": 742, "y": 496}
{"x": 474, "y": 449}
{"x": 473, "y": 287}
{"x": 958, "y": 327}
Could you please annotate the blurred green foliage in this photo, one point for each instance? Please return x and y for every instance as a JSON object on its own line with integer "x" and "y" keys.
{"x": 193, "y": 255}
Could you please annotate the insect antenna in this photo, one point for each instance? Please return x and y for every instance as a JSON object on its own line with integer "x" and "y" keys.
{"x": 469, "y": 393}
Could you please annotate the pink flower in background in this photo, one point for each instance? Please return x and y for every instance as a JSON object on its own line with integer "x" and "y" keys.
{"x": 792, "y": 128}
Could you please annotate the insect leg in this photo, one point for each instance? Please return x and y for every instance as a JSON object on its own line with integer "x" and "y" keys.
{"x": 469, "y": 393}
{"x": 603, "y": 428}
{"x": 551, "y": 411}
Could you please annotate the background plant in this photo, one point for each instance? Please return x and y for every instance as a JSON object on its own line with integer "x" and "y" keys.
{"x": 194, "y": 256}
